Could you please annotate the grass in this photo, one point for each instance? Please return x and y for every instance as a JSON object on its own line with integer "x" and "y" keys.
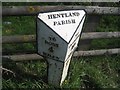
{"x": 26, "y": 75}
{"x": 19, "y": 25}
{"x": 24, "y": 25}
{"x": 85, "y": 72}
{"x": 94, "y": 72}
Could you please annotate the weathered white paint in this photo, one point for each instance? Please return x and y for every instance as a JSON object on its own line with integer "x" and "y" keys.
{"x": 44, "y": 43}
{"x": 57, "y": 71}
{"x": 74, "y": 41}
{"x": 58, "y": 34}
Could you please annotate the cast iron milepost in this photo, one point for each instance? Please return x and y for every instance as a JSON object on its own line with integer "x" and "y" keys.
{"x": 58, "y": 34}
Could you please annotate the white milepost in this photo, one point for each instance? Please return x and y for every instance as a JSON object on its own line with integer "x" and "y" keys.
{"x": 58, "y": 34}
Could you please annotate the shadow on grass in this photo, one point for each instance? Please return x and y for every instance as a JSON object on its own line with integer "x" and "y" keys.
{"x": 20, "y": 75}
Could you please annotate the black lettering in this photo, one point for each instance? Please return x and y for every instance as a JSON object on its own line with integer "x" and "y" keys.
{"x": 76, "y": 34}
{"x": 73, "y": 20}
{"x": 70, "y": 15}
{"x": 59, "y": 23}
{"x": 75, "y": 14}
{"x": 52, "y": 38}
{"x": 51, "y": 43}
{"x": 68, "y": 21}
{"x": 58, "y": 15}
{"x": 69, "y": 55}
{"x": 63, "y": 22}
{"x": 54, "y": 16}
{"x": 57, "y": 58}
{"x": 55, "y": 23}
{"x": 50, "y": 56}
{"x": 63, "y": 15}
{"x": 73, "y": 46}
{"x": 66, "y": 15}
{"x": 49, "y": 16}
